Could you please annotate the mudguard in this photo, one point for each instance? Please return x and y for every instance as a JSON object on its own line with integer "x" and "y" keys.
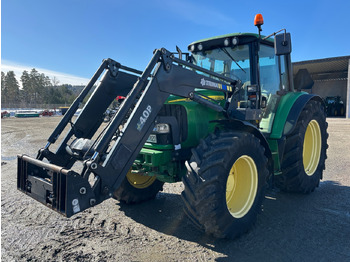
{"x": 286, "y": 119}
{"x": 295, "y": 111}
{"x": 288, "y": 112}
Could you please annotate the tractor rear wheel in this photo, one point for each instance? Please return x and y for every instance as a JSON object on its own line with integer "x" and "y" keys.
{"x": 333, "y": 112}
{"x": 137, "y": 188}
{"x": 225, "y": 183}
{"x": 304, "y": 155}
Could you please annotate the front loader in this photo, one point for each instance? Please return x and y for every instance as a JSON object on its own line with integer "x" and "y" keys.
{"x": 226, "y": 120}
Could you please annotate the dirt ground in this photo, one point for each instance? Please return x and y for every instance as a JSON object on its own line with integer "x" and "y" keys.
{"x": 292, "y": 227}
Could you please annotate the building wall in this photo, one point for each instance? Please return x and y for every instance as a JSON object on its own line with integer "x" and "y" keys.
{"x": 323, "y": 71}
{"x": 331, "y": 88}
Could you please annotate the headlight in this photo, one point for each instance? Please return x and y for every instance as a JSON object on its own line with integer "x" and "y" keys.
{"x": 161, "y": 129}
{"x": 227, "y": 42}
{"x": 200, "y": 47}
{"x": 235, "y": 41}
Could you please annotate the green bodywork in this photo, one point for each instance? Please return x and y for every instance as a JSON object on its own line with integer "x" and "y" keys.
{"x": 284, "y": 107}
{"x": 155, "y": 159}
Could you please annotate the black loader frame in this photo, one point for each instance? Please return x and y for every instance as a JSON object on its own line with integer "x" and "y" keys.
{"x": 50, "y": 179}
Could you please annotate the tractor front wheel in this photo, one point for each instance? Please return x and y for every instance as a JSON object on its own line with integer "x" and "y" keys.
{"x": 137, "y": 188}
{"x": 225, "y": 183}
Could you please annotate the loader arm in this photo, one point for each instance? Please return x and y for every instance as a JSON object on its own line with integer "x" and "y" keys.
{"x": 49, "y": 178}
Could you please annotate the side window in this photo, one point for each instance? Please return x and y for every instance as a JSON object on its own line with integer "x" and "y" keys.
{"x": 270, "y": 82}
{"x": 284, "y": 73}
{"x": 269, "y": 70}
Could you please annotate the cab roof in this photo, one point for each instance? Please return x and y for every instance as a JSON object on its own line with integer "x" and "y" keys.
{"x": 212, "y": 41}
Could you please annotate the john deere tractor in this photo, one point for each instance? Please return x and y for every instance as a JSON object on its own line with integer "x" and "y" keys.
{"x": 335, "y": 106}
{"x": 224, "y": 118}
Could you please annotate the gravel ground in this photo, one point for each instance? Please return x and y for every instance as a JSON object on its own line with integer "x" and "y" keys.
{"x": 292, "y": 227}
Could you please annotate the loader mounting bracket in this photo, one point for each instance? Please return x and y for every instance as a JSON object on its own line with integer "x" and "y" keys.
{"x": 64, "y": 191}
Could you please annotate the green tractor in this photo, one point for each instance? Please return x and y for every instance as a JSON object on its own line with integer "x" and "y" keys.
{"x": 226, "y": 120}
{"x": 335, "y": 106}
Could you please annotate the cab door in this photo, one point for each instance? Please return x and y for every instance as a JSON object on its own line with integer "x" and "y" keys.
{"x": 274, "y": 81}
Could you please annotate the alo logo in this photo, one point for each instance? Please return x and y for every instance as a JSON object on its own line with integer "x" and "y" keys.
{"x": 144, "y": 117}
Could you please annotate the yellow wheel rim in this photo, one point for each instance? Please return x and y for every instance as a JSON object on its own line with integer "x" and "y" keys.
{"x": 241, "y": 186}
{"x": 140, "y": 181}
{"x": 312, "y": 147}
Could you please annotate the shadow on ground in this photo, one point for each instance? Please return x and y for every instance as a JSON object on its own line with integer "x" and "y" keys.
{"x": 291, "y": 226}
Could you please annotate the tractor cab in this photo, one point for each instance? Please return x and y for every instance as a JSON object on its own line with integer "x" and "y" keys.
{"x": 263, "y": 76}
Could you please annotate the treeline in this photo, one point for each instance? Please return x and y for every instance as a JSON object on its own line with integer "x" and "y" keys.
{"x": 37, "y": 88}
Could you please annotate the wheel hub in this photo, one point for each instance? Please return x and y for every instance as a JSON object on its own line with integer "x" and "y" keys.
{"x": 140, "y": 181}
{"x": 312, "y": 147}
{"x": 241, "y": 186}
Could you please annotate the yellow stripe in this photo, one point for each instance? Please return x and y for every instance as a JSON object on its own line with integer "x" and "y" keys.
{"x": 180, "y": 100}
{"x": 187, "y": 99}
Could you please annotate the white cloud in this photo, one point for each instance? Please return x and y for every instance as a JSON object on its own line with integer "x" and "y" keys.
{"x": 62, "y": 77}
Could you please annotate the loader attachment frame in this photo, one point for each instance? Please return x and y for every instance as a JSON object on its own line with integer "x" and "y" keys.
{"x": 50, "y": 179}
{"x": 62, "y": 190}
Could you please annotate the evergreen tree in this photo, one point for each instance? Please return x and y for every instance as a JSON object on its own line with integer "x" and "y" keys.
{"x": 9, "y": 88}
{"x": 3, "y": 88}
{"x": 25, "y": 79}
{"x": 12, "y": 86}
{"x": 35, "y": 87}
{"x": 40, "y": 89}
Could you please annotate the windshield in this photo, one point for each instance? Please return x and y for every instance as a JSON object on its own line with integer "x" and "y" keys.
{"x": 232, "y": 62}
{"x": 330, "y": 100}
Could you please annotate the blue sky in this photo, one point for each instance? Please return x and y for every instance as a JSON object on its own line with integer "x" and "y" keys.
{"x": 69, "y": 38}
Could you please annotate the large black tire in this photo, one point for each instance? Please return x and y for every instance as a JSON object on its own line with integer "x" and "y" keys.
{"x": 304, "y": 155}
{"x": 225, "y": 183}
{"x": 137, "y": 188}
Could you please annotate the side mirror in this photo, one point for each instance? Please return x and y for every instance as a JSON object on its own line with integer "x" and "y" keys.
{"x": 283, "y": 44}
